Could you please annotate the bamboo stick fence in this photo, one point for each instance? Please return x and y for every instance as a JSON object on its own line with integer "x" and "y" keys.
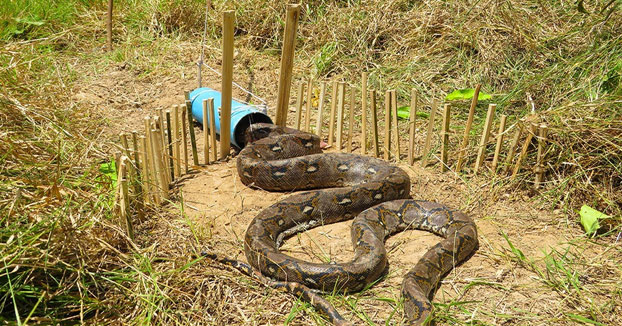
{"x": 360, "y": 117}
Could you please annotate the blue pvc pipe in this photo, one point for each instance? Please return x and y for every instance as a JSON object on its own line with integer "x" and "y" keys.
{"x": 242, "y": 115}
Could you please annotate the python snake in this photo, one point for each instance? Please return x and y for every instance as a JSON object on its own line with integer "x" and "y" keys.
{"x": 369, "y": 190}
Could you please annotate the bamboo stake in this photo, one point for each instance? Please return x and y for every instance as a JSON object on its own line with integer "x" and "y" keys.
{"x": 150, "y": 164}
{"x": 342, "y": 99}
{"x": 500, "y": 134}
{"x": 364, "y": 113}
{"x": 176, "y": 142}
{"x": 512, "y": 149}
{"x": 193, "y": 139}
{"x": 467, "y": 130}
{"x": 137, "y": 187}
{"x": 138, "y": 191}
{"x": 117, "y": 162}
{"x": 320, "y": 110}
{"x": 155, "y": 173}
{"x": 126, "y": 149}
{"x": 164, "y": 153}
{"x": 158, "y": 126}
{"x": 351, "y": 120}
{"x": 485, "y": 136}
{"x": 308, "y": 105}
{"x": 396, "y": 130}
{"x": 301, "y": 93}
{"x": 205, "y": 134}
{"x": 331, "y": 120}
{"x": 124, "y": 144}
{"x": 169, "y": 147}
{"x": 287, "y": 60}
{"x": 212, "y": 127}
{"x": 124, "y": 197}
{"x": 156, "y": 145}
{"x": 445, "y": 138}
{"x": 523, "y": 153}
{"x": 227, "y": 83}
{"x": 387, "y": 125}
{"x": 428, "y": 137}
{"x": 542, "y": 138}
{"x": 411, "y": 122}
{"x": 146, "y": 170}
{"x": 109, "y": 25}
{"x": 184, "y": 137}
{"x": 374, "y": 123}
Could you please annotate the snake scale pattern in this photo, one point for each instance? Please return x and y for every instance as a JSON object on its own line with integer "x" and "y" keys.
{"x": 343, "y": 186}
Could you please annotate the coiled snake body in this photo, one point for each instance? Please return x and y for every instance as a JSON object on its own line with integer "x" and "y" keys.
{"x": 369, "y": 189}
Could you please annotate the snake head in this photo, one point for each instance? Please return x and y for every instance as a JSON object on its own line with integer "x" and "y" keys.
{"x": 258, "y": 131}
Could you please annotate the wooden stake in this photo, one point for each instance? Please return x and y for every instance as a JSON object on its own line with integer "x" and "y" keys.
{"x": 387, "y": 125}
{"x": 523, "y": 153}
{"x": 146, "y": 172}
{"x": 411, "y": 122}
{"x": 156, "y": 148}
{"x": 374, "y": 123}
{"x": 396, "y": 129}
{"x": 151, "y": 176}
{"x": 500, "y": 134}
{"x": 342, "y": 99}
{"x": 164, "y": 152}
{"x": 117, "y": 162}
{"x": 124, "y": 144}
{"x": 364, "y": 113}
{"x": 205, "y": 134}
{"x": 138, "y": 191}
{"x": 428, "y": 136}
{"x": 485, "y": 136}
{"x": 287, "y": 60}
{"x": 193, "y": 139}
{"x": 176, "y": 142}
{"x": 512, "y": 149}
{"x": 154, "y": 181}
{"x": 184, "y": 137}
{"x": 125, "y": 197}
{"x": 542, "y": 138}
{"x": 320, "y": 110}
{"x": 445, "y": 138}
{"x": 308, "y": 105}
{"x": 169, "y": 147}
{"x": 211, "y": 114}
{"x": 351, "y": 119}
{"x": 299, "y": 101}
{"x": 109, "y": 25}
{"x": 467, "y": 130}
{"x": 227, "y": 83}
{"x": 157, "y": 123}
{"x": 331, "y": 120}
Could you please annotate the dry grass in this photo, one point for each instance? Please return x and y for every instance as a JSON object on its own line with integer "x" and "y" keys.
{"x": 65, "y": 260}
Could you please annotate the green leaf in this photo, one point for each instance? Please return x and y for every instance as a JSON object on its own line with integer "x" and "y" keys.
{"x": 589, "y": 219}
{"x": 583, "y": 319}
{"x": 465, "y": 94}
{"x": 27, "y": 21}
{"x": 424, "y": 115}
{"x": 109, "y": 170}
{"x": 403, "y": 112}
